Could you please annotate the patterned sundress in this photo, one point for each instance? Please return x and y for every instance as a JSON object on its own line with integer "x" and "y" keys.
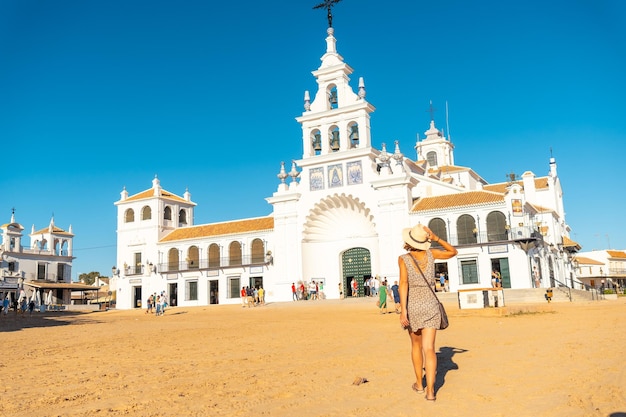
{"x": 422, "y": 306}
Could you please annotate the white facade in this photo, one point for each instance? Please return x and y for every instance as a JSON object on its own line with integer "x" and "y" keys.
{"x": 44, "y": 267}
{"x": 338, "y": 214}
{"x": 601, "y": 269}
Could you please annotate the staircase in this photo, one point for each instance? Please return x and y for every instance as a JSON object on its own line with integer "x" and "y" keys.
{"x": 528, "y": 296}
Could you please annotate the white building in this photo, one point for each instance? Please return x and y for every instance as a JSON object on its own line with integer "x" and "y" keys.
{"x": 43, "y": 268}
{"x": 338, "y": 213}
{"x": 601, "y": 268}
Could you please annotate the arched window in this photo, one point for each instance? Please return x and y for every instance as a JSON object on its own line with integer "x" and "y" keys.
{"x": 438, "y": 227}
{"x": 353, "y": 134}
{"x": 167, "y": 213}
{"x": 193, "y": 258}
{"x": 496, "y": 226}
{"x": 333, "y": 139}
{"x": 182, "y": 216}
{"x": 333, "y": 100}
{"x": 129, "y": 216}
{"x": 214, "y": 255}
{"x": 258, "y": 251}
{"x": 466, "y": 229}
{"x": 172, "y": 260}
{"x": 234, "y": 253}
{"x": 316, "y": 142}
{"x": 146, "y": 213}
{"x": 431, "y": 157}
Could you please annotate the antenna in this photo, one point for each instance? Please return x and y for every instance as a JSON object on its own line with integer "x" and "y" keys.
{"x": 447, "y": 124}
{"x": 431, "y": 110}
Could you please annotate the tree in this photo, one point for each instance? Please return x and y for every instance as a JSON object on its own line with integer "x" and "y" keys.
{"x": 89, "y": 278}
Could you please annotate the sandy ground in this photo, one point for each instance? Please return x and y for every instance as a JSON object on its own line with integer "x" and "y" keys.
{"x": 301, "y": 358}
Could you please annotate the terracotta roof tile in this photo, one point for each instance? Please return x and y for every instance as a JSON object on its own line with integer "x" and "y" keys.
{"x": 616, "y": 254}
{"x": 540, "y": 184}
{"x": 219, "y": 229}
{"x": 569, "y": 243}
{"x": 541, "y": 209}
{"x": 55, "y": 230}
{"x": 149, "y": 193}
{"x": 470, "y": 198}
{"x": 587, "y": 261}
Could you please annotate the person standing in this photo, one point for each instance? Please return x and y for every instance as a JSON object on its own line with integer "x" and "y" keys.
{"x": 355, "y": 287}
{"x": 382, "y": 299}
{"x": 294, "y": 293}
{"x": 261, "y": 296}
{"x": 419, "y": 307}
{"x": 374, "y": 286}
{"x": 244, "y": 297}
{"x": 395, "y": 290}
{"x": 312, "y": 290}
{"x": 536, "y": 276}
{"x": 442, "y": 282}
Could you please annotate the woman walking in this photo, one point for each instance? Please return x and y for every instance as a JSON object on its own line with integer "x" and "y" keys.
{"x": 419, "y": 306}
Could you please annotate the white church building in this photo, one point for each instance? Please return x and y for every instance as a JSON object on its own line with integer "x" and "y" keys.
{"x": 337, "y": 215}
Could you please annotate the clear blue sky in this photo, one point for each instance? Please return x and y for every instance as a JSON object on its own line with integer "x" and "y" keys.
{"x": 100, "y": 95}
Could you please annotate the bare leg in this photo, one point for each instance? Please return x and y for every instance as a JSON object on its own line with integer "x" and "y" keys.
{"x": 417, "y": 357}
{"x": 430, "y": 356}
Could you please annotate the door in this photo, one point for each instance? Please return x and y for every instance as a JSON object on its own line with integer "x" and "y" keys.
{"x": 137, "y": 297}
{"x": 214, "y": 297}
{"x": 173, "y": 293}
{"x": 356, "y": 264}
{"x": 502, "y": 265}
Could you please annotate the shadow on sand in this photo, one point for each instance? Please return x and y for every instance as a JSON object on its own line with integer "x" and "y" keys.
{"x": 15, "y": 322}
{"x": 445, "y": 364}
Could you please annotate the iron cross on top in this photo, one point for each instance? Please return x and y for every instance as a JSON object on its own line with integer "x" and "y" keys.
{"x": 328, "y": 4}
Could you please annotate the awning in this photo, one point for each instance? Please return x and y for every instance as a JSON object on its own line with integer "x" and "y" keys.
{"x": 570, "y": 244}
{"x": 60, "y": 286}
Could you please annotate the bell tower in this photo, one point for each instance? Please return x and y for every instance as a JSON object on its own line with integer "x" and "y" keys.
{"x": 337, "y": 119}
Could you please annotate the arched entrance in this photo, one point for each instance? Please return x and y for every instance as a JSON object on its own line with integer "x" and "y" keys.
{"x": 356, "y": 264}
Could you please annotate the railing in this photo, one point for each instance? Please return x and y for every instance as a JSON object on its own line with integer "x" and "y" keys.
{"x": 595, "y": 295}
{"x": 617, "y": 271}
{"x": 211, "y": 264}
{"x": 482, "y": 237}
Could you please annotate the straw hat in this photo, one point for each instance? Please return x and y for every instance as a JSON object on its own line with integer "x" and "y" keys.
{"x": 416, "y": 237}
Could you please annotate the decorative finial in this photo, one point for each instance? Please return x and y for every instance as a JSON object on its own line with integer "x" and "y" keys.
{"x": 282, "y": 175}
{"x": 307, "y": 101}
{"x": 294, "y": 172}
{"x": 397, "y": 155}
{"x": 361, "y": 88}
{"x": 328, "y": 4}
{"x": 384, "y": 159}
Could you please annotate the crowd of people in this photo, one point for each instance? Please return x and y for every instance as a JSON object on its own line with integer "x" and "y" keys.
{"x": 157, "y": 304}
{"x": 252, "y": 296}
{"x": 313, "y": 290}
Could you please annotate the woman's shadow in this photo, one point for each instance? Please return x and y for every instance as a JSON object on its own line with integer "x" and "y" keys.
{"x": 445, "y": 363}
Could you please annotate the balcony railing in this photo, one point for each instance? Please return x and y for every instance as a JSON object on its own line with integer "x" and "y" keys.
{"x": 206, "y": 264}
{"x": 482, "y": 237}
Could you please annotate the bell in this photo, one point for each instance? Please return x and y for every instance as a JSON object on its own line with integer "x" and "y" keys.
{"x": 354, "y": 135}
{"x": 334, "y": 141}
{"x": 332, "y": 99}
{"x": 317, "y": 142}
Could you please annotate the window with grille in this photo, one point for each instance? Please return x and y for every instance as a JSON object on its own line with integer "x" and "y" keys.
{"x": 438, "y": 227}
{"x": 496, "y": 226}
{"x": 466, "y": 229}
